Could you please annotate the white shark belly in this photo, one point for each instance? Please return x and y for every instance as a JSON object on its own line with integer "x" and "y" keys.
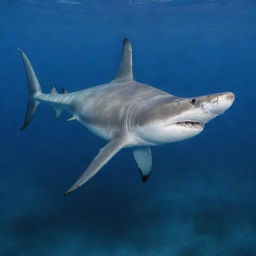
{"x": 109, "y": 133}
{"x": 155, "y": 134}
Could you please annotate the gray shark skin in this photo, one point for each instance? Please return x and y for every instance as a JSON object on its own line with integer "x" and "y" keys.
{"x": 127, "y": 114}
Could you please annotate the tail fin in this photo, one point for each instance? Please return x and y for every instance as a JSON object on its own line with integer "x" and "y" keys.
{"x": 33, "y": 89}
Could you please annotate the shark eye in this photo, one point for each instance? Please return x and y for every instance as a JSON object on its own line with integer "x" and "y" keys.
{"x": 193, "y": 101}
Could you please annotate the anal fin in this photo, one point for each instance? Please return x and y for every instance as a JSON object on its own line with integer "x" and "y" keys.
{"x": 57, "y": 113}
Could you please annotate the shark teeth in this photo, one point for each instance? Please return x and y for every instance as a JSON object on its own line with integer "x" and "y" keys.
{"x": 191, "y": 124}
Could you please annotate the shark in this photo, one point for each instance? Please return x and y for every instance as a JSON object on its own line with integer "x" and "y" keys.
{"x": 127, "y": 114}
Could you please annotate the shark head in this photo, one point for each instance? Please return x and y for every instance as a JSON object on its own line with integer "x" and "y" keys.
{"x": 200, "y": 110}
{"x": 183, "y": 118}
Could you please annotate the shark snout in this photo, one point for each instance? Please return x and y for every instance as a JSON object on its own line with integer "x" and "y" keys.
{"x": 230, "y": 96}
{"x": 221, "y": 102}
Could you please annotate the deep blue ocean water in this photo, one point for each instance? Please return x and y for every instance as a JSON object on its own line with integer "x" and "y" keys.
{"x": 201, "y": 197}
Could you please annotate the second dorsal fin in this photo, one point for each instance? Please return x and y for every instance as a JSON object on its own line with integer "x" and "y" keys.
{"x": 53, "y": 90}
{"x": 125, "y": 69}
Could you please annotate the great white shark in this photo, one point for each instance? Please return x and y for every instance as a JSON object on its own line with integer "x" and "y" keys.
{"x": 127, "y": 113}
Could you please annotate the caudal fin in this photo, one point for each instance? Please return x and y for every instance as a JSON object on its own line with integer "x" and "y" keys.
{"x": 33, "y": 89}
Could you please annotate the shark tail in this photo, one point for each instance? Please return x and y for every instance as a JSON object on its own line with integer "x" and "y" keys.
{"x": 34, "y": 89}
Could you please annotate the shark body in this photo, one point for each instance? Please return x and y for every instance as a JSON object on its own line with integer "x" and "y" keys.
{"x": 127, "y": 113}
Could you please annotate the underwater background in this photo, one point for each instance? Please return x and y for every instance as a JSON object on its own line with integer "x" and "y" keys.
{"x": 201, "y": 197}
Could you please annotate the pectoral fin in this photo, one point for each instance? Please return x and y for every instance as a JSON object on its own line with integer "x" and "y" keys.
{"x": 105, "y": 154}
{"x": 143, "y": 158}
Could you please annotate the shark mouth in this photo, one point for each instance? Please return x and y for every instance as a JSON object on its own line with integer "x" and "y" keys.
{"x": 191, "y": 124}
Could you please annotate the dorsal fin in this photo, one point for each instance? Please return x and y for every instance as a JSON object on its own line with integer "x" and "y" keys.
{"x": 125, "y": 69}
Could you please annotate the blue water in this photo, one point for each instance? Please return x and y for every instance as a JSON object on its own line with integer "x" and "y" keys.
{"x": 201, "y": 197}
